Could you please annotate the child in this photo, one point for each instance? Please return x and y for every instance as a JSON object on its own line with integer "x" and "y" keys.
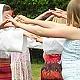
{"x": 52, "y": 48}
{"x": 71, "y": 51}
{"x": 5, "y": 70}
{"x": 20, "y": 61}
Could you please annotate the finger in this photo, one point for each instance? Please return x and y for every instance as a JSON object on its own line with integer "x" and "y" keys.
{"x": 16, "y": 18}
{"x": 57, "y": 14}
{"x": 57, "y": 9}
{"x": 8, "y": 17}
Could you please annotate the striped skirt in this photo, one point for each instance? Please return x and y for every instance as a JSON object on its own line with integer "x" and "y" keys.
{"x": 5, "y": 70}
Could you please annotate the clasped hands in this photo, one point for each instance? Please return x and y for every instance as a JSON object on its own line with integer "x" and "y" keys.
{"x": 17, "y": 19}
{"x": 22, "y": 19}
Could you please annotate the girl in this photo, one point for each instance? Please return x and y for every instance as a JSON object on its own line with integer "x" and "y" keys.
{"x": 52, "y": 57}
{"x": 71, "y": 52}
{"x": 20, "y": 61}
{"x": 5, "y": 70}
{"x": 52, "y": 68}
{"x": 52, "y": 48}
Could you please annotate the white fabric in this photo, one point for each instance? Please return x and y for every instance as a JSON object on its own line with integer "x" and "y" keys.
{"x": 31, "y": 43}
{"x": 71, "y": 70}
{"x": 53, "y": 45}
{"x": 1, "y": 10}
{"x": 71, "y": 60}
{"x": 11, "y": 39}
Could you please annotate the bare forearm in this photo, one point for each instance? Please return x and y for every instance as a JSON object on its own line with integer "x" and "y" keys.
{"x": 40, "y": 17}
{"x": 50, "y": 18}
{"x": 34, "y": 29}
{"x": 2, "y": 24}
{"x": 45, "y": 24}
{"x": 44, "y": 15}
{"x": 66, "y": 32}
{"x": 44, "y": 32}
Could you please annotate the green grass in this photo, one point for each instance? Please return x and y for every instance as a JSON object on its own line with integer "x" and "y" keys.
{"x": 36, "y": 70}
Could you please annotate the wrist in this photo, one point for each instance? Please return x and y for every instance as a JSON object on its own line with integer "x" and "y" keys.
{"x": 32, "y": 21}
{"x": 29, "y": 21}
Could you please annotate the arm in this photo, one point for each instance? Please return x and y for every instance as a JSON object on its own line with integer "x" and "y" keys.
{"x": 23, "y": 19}
{"x": 38, "y": 22}
{"x": 30, "y": 35}
{"x": 50, "y": 18}
{"x": 5, "y": 22}
{"x": 31, "y": 40}
{"x": 19, "y": 19}
{"x": 44, "y": 24}
{"x": 39, "y": 39}
{"x": 40, "y": 17}
{"x": 52, "y": 45}
{"x": 68, "y": 32}
{"x": 60, "y": 14}
{"x": 31, "y": 43}
{"x": 44, "y": 15}
{"x": 2, "y": 24}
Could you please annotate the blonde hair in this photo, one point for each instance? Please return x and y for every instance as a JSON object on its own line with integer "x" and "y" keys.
{"x": 73, "y": 13}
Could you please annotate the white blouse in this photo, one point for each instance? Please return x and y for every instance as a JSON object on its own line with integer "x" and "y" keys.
{"x": 53, "y": 45}
{"x": 12, "y": 39}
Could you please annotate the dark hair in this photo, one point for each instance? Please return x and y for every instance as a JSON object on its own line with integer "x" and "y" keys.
{"x": 6, "y": 8}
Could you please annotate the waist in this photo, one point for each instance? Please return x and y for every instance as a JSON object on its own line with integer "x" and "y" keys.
{"x": 52, "y": 58}
{"x": 70, "y": 55}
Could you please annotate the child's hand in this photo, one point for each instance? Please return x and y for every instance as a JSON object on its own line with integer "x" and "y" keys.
{"x": 14, "y": 22}
{"x": 39, "y": 39}
{"x": 20, "y": 18}
{"x": 57, "y": 14}
{"x": 3, "y": 23}
{"x": 8, "y": 16}
{"x": 48, "y": 13}
{"x": 60, "y": 13}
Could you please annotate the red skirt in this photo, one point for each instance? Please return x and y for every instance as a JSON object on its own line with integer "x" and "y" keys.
{"x": 5, "y": 70}
{"x": 55, "y": 58}
{"x": 52, "y": 68}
